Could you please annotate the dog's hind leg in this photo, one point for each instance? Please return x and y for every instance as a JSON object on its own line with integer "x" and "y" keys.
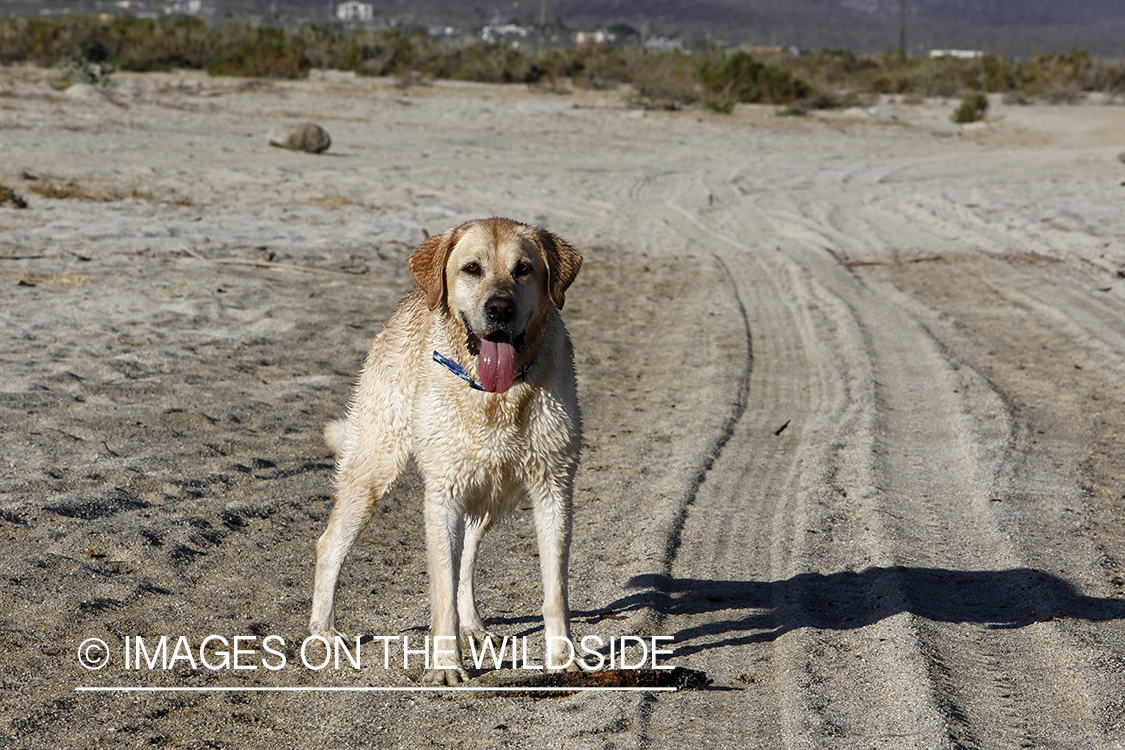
{"x": 362, "y": 479}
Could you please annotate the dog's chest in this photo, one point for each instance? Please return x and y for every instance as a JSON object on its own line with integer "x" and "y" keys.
{"x": 482, "y": 429}
{"x": 481, "y": 454}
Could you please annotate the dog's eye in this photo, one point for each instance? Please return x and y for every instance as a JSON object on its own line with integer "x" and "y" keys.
{"x": 473, "y": 269}
{"x": 523, "y": 268}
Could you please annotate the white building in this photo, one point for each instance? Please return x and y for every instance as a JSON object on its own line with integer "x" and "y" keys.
{"x": 960, "y": 54}
{"x": 355, "y": 11}
{"x": 592, "y": 38}
{"x": 663, "y": 44}
{"x": 178, "y": 7}
{"x": 494, "y": 32}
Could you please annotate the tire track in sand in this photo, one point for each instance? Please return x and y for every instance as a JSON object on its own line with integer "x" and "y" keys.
{"x": 751, "y": 592}
{"x": 1011, "y": 653}
{"x": 899, "y": 609}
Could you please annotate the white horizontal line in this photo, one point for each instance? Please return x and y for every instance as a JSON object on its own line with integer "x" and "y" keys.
{"x": 474, "y": 688}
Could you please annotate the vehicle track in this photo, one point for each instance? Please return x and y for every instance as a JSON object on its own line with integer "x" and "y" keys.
{"x": 905, "y": 603}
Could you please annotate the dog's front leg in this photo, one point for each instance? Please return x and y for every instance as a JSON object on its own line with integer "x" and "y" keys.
{"x": 445, "y": 534}
{"x": 472, "y": 626}
{"x": 552, "y": 501}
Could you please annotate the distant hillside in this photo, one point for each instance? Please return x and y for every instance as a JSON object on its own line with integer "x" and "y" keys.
{"x": 1016, "y": 27}
{"x": 1013, "y": 27}
{"x": 998, "y": 13}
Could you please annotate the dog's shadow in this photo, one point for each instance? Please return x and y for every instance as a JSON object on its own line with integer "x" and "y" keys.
{"x": 763, "y": 611}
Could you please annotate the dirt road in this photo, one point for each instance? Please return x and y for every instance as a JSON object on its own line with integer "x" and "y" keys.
{"x": 854, "y": 394}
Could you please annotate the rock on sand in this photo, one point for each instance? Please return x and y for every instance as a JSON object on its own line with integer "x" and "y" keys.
{"x": 307, "y": 136}
{"x": 84, "y": 91}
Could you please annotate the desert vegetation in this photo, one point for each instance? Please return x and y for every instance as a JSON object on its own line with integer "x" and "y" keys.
{"x": 8, "y": 196}
{"x": 973, "y": 107}
{"x": 1053, "y": 77}
{"x": 89, "y": 48}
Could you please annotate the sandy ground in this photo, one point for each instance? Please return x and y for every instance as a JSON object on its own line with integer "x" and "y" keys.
{"x": 853, "y": 391}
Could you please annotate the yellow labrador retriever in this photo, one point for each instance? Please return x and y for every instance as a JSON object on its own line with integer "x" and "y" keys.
{"x": 473, "y": 377}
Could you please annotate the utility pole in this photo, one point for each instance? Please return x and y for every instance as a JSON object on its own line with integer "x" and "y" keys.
{"x": 542, "y": 22}
{"x": 902, "y": 29}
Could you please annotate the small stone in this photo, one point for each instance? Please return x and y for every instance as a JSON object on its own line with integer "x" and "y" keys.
{"x": 307, "y": 136}
{"x": 84, "y": 91}
{"x": 1121, "y": 156}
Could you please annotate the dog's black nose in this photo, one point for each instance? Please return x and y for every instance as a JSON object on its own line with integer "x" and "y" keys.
{"x": 499, "y": 309}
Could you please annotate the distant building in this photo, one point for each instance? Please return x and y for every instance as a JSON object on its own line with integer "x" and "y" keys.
{"x": 184, "y": 8}
{"x": 355, "y": 11}
{"x": 960, "y": 54}
{"x": 494, "y": 32}
{"x": 663, "y": 44}
{"x": 592, "y": 38}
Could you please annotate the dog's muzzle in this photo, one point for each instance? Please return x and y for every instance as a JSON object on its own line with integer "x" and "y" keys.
{"x": 496, "y": 350}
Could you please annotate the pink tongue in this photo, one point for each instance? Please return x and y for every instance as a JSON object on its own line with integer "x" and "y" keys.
{"x": 497, "y": 365}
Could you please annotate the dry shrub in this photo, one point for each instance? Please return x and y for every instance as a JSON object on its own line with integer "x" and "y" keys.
{"x": 411, "y": 79}
{"x": 487, "y": 63}
{"x": 603, "y": 68}
{"x": 1058, "y": 77}
{"x": 262, "y": 53}
{"x": 7, "y": 195}
{"x": 667, "y": 79}
{"x": 70, "y": 190}
{"x": 1105, "y": 76}
{"x": 1063, "y": 92}
{"x": 61, "y": 280}
{"x": 337, "y": 200}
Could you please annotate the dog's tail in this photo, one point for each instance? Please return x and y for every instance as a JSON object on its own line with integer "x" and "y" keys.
{"x": 334, "y": 435}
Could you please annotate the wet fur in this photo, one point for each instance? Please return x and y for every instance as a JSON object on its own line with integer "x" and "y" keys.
{"x": 479, "y": 453}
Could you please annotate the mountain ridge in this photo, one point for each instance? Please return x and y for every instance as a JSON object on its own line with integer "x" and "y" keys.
{"x": 1009, "y": 26}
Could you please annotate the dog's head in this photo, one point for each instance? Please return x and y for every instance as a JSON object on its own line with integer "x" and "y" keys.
{"x": 497, "y": 278}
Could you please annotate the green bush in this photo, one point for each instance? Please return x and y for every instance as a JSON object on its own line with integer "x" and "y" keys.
{"x": 727, "y": 80}
{"x": 81, "y": 69}
{"x": 973, "y": 108}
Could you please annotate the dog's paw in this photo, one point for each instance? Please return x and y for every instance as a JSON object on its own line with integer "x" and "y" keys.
{"x": 324, "y": 630}
{"x": 451, "y": 676}
{"x": 572, "y": 667}
{"x": 329, "y": 634}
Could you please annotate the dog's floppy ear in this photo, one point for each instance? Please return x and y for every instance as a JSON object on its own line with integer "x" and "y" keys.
{"x": 427, "y": 264}
{"x": 563, "y": 264}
